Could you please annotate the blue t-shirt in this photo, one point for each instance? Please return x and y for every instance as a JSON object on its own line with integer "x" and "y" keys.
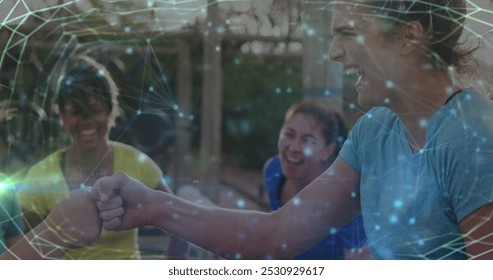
{"x": 11, "y": 224}
{"x": 412, "y": 204}
{"x": 351, "y": 236}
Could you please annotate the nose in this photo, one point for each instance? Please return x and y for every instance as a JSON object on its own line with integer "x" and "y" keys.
{"x": 336, "y": 52}
{"x": 295, "y": 146}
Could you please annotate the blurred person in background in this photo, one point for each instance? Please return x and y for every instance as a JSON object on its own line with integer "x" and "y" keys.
{"x": 309, "y": 142}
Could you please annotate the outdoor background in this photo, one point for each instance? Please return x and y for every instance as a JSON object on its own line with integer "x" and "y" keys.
{"x": 204, "y": 83}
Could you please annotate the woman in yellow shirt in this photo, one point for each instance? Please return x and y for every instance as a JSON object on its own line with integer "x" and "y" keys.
{"x": 87, "y": 106}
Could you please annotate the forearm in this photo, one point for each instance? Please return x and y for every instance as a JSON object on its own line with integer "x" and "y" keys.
{"x": 225, "y": 232}
{"x": 40, "y": 243}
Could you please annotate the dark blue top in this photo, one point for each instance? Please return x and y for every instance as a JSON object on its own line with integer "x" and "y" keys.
{"x": 350, "y": 236}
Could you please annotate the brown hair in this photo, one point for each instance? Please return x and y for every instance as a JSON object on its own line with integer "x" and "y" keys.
{"x": 443, "y": 21}
{"x": 84, "y": 77}
{"x": 333, "y": 128}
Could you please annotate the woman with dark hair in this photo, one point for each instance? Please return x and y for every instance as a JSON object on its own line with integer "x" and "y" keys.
{"x": 86, "y": 98}
{"x": 419, "y": 161}
{"x": 309, "y": 141}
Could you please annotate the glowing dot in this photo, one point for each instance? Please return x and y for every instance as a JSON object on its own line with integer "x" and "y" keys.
{"x": 238, "y": 256}
{"x": 427, "y": 66}
{"x": 449, "y": 90}
{"x": 310, "y": 32}
{"x": 360, "y": 39}
{"x": 423, "y": 122}
{"x": 386, "y": 100}
{"x": 221, "y": 29}
{"x": 127, "y": 29}
{"x": 181, "y": 115}
{"x": 370, "y": 116}
{"x": 129, "y": 50}
{"x": 377, "y": 227}
{"x": 191, "y": 117}
{"x": 140, "y": 205}
{"x": 352, "y": 23}
{"x": 308, "y": 151}
{"x": 327, "y": 93}
{"x": 218, "y": 48}
{"x": 475, "y": 134}
{"x": 468, "y": 97}
{"x": 398, "y": 203}
{"x": 240, "y": 203}
{"x": 151, "y": 88}
{"x": 175, "y": 107}
{"x": 389, "y": 84}
{"x": 421, "y": 242}
{"x": 284, "y": 245}
{"x": 175, "y": 216}
{"x": 421, "y": 151}
{"x": 289, "y": 90}
{"x": 333, "y": 230}
{"x": 278, "y": 90}
{"x": 142, "y": 157}
{"x": 394, "y": 219}
{"x": 353, "y": 194}
{"x": 139, "y": 112}
{"x": 296, "y": 201}
{"x": 352, "y": 106}
{"x": 412, "y": 221}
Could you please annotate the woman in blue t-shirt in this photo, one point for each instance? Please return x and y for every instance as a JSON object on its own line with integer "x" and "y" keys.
{"x": 309, "y": 141}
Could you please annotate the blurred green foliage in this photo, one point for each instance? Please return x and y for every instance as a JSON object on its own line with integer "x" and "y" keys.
{"x": 256, "y": 94}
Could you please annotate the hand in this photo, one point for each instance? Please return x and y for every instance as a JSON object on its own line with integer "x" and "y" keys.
{"x": 74, "y": 221}
{"x": 123, "y": 202}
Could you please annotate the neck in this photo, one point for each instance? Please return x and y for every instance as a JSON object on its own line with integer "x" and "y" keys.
{"x": 416, "y": 103}
{"x": 87, "y": 161}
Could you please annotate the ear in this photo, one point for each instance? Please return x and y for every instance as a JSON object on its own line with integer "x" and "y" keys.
{"x": 328, "y": 151}
{"x": 413, "y": 37}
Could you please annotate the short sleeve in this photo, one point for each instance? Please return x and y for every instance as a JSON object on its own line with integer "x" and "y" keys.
{"x": 470, "y": 177}
{"x": 137, "y": 164}
{"x": 349, "y": 151}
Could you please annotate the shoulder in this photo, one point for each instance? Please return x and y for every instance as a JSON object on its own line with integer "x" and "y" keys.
{"x": 136, "y": 163}
{"x": 124, "y": 149}
{"x": 125, "y": 152}
{"x": 272, "y": 172}
{"x": 377, "y": 117}
{"x": 48, "y": 164}
{"x": 467, "y": 115}
{"x": 377, "y": 122}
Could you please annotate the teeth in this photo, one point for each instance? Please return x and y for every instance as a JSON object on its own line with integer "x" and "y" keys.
{"x": 354, "y": 71}
{"x": 88, "y": 132}
{"x": 293, "y": 160}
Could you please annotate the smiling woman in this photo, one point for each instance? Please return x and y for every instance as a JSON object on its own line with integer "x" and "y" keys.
{"x": 309, "y": 141}
{"x": 87, "y": 106}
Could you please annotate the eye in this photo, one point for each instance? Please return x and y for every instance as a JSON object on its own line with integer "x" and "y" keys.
{"x": 309, "y": 140}
{"x": 289, "y": 135}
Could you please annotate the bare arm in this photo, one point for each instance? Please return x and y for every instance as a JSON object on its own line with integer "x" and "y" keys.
{"x": 73, "y": 222}
{"x": 327, "y": 203}
{"x": 11, "y": 241}
{"x": 477, "y": 229}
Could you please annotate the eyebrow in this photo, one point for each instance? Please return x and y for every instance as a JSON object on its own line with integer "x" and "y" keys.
{"x": 341, "y": 28}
